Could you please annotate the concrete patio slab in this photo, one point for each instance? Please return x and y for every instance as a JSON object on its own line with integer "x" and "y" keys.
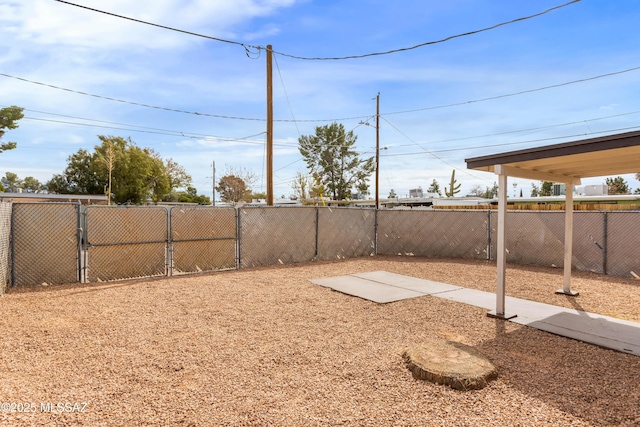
{"x": 367, "y": 289}
{"x": 426, "y": 287}
{"x": 384, "y": 287}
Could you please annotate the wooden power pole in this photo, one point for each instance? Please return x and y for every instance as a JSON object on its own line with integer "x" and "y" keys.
{"x": 269, "y": 126}
{"x": 377, "y": 148}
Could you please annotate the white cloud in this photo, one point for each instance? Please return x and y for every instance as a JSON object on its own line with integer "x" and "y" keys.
{"x": 52, "y": 23}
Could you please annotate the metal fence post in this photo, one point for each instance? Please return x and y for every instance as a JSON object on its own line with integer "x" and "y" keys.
{"x": 169, "y": 242}
{"x": 238, "y": 239}
{"x": 489, "y": 234}
{"x": 315, "y": 256}
{"x": 12, "y": 247}
{"x": 79, "y": 240}
{"x": 605, "y": 243}
{"x": 375, "y": 231}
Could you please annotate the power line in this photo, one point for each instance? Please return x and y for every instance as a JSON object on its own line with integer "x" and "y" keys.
{"x": 614, "y": 73}
{"x": 431, "y": 153}
{"x": 404, "y": 49}
{"x": 130, "y": 102}
{"x": 513, "y": 143}
{"x": 522, "y": 130}
{"x": 516, "y": 93}
{"x": 244, "y": 45}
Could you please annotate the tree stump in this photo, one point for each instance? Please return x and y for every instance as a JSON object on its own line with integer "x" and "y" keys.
{"x": 450, "y": 363}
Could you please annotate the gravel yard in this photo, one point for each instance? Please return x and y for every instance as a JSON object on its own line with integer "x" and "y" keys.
{"x": 267, "y": 347}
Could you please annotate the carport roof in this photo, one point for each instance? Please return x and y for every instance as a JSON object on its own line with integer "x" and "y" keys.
{"x": 569, "y": 161}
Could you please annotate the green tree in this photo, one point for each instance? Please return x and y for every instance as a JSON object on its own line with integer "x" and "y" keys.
{"x": 233, "y": 189}
{"x": 31, "y": 185}
{"x": 491, "y": 192}
{"x": 333, "y": 162}
{"x": 535, "y": 190}
{"x": 546, "y": 189}
{"x": 191, "y": 196}
{"x": 137, "y": 174}
{"x": 259, "y": 195}
{"x": 8, "y": 120}
{"x": 434, "y": 188}
{"x": 453, "y": 188}
{"x": 392, "y": 194}
{"x": 301, "y": 186}
{"x": 617, "y": 185}
{"x": 11, "y": 182}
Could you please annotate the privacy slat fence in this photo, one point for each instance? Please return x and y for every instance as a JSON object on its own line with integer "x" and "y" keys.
{"x": 61, "y": 242}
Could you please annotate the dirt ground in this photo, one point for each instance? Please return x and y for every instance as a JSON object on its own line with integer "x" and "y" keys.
{"x": 265, "y": 347}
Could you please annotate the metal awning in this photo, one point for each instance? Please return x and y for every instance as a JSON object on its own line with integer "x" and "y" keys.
{"x": 563, "y": 163}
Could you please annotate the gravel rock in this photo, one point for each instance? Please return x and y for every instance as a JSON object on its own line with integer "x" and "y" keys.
{"x": 265, "y": 347}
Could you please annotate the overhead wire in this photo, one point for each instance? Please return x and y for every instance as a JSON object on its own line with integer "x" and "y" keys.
{"x": 131, "y": 102}
{"x": 404, "y": 49}
{"x": 388, "y": 52}
{"x": 614, "y": 73}
{"x": 191, "y": 33}
{"x": 516, "y": 93}
{"x": 431, "y": 153}
{"x": 194, "y": 135}
{"x": 629, "y": 128}
{"x": 534, "y": 129}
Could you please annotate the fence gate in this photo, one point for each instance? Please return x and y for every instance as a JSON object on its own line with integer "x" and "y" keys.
{"x": 123, "y": 242}
{"x": 45, "y": 243}
{"x": 203, "y": 239}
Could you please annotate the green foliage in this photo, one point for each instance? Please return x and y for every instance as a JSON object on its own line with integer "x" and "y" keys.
{"x": 434, "y": 188}
{"x": 301, "y": 186}
{"x": 453, "y": 188}
{"x": 233, "y": 189}
{"x": 535, "y": 190}
{"x": 392, "y": 194}
{"x": 11, "y": 182}
{"x": 32, "y": 185}
{"x": 137, "y": 174}
{"x": 8, "y": 118}
{"x": 333, "y": 162}
{"x": 617, "y": 185}
{"x": 546, "y": 189}
{"x": 491, "y": 193}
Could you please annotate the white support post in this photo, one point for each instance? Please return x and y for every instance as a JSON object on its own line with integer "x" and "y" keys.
{"x": 502, "y": 250}
{"x": 568, "y": 242}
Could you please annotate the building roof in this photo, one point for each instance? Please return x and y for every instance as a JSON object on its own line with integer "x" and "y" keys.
{"x": 44, "y": 197}
{"x": 569, "y": 161}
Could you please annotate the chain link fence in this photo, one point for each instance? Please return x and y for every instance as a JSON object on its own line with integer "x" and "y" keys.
{"x": 45, "y": 243}
{"x": 125, "y": 242}
{"x": 623, "y": 243}
{"x": 277, "y": 235}
{"x": 345, "y": 233}
{"x": 62, "y": 242}
{"x": 449, "y": 234}
{"x": 203, "y": 239}
{"x": 5, "y": 241}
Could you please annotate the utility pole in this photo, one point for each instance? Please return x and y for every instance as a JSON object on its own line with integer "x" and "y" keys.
{"x": 213, "y": 199}
{"x": 377, "y": 147}
{"x": 269, "y": 126}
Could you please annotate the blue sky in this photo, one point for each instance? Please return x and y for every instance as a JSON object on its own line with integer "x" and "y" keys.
{"x": 422, "y": 136}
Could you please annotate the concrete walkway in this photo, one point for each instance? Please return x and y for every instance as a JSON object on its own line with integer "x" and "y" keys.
{"x": 385, "y": 287}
